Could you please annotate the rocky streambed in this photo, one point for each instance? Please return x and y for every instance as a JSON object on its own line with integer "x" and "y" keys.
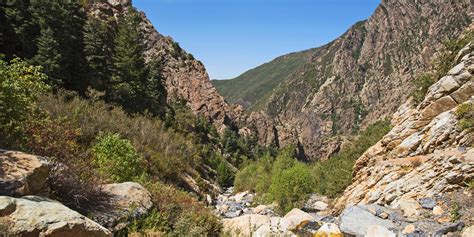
{"x": 242, "y": 216}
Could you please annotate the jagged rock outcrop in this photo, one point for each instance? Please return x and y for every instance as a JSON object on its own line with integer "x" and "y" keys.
{"x": 39, "y": 216}
{"x": 362, "y": 76}
{"x": 22, "y": 174}
{"x": 183, "y": 76}
{"x": 426, "y": 153}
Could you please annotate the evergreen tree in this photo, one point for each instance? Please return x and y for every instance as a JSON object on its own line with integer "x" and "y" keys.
{"x": 48, "y": 56}
{"x": 130, "y": 76}
{"x": 19, "y": 30}
{"x": 98, "y": 55}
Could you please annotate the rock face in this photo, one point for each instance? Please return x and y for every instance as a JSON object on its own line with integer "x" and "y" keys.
{"x": 22, "y": 174}
{"x": 38, "y": 216}
{"x": 360, "y": 77}
{"x": 425, "y": 154}
{"x": 184, "y": 77}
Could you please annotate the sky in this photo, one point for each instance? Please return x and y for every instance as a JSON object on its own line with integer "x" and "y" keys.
{"x": 233, "y": 36}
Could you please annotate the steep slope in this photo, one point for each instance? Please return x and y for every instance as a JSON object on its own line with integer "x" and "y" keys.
{"x": 364, "y": 75}
{"x": 255, "y": 86}
{"x": 429, "y": 150}
{"x": 183, "y": 76}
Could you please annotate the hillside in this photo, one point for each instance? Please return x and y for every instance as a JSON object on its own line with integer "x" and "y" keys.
{"x": 254, "y": 87}
{"x": 416, "y": 180}
{"x": 361, "y": 76}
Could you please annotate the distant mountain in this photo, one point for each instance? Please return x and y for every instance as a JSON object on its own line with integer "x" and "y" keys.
{"x": 315, "y": 96}
{"x": 255, "y": 86}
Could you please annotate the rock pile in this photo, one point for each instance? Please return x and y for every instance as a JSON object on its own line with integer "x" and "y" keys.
{"x": 26, "y": 210}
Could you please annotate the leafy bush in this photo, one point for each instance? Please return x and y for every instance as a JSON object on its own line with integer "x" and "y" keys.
{"x": 117, "y": 158}
{"x": 334, "y": 175}
{"x": 177, "y": 213}
{"x": 20, "y": 87}
{"x": 225, "y": 175}
{"x": 255, "y": 176}
{"x": 291, "y": 186}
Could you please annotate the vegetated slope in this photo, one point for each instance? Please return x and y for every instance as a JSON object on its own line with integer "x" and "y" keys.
{"x": 252, "y": 88}
{"x": 363, "y": 75}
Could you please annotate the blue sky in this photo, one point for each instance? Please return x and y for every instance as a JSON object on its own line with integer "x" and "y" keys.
{"x": 233, "y": 36}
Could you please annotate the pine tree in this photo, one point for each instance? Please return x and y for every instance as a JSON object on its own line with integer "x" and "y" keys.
{"x": 130, "y": 76}
{"x": 48, "y": 56}
{"x": 98, "y": 55}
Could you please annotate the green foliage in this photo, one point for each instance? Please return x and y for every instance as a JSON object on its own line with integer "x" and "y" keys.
{"x": 287, "y": 181}
{"x": 282, "y": 179}
{"x": 334, "y": 175}
{"x": 465, "y": 113}
{"x": 176, "y": 213}
{"x": 253, "y": 88}
{"x": 20, "y": 87}
{"x": 129, "y": 77}
{"x": 440, "y": 67}
{"x": 225, "y": 175}
{"x": 455, "y": 212}
{"x": 291, "y": 186}
{"x": 98, "y": 54}
{"x": 116, "y": 158}
{"x": 48, "y": 56}
{"x": 255, "y": 176}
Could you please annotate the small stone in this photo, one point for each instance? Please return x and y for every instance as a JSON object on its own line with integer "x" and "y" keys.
{"x": 383, "y": 215}
{"x": 329, "y": 229}
{"x": 450, "y": 227}
{"x": 409, "y": 207}
{"x": 409, "y": 229}
{"x": 454, "y": 178}
{"x": 454, "y": 160}
{"x": 468, "y": 232}
{"x": 427, "y": 203}
{"x": 443, "y": 219}
{"x": 437, "y": 210}
{"x": 320, "y": 206}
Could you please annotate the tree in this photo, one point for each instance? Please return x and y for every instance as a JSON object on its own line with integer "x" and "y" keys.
{"x": 48, "y": 56}
{"x": 97, "y": 53}
{"x": 20, "y": 87}
{"x": 129, "y": 79}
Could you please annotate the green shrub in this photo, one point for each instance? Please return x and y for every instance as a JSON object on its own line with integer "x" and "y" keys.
{"x": 225, "y": 175}
{"x": 291, "y": 187}
{"x": 20, "y": 87}
{"x": 334, "y": 175}
{"x": 256, "y": 176}
{"x": 177, "y": 213}
{"x": 116, "y": 158}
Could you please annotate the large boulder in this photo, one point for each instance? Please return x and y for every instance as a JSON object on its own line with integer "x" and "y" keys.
{"x": 22, "y": 174}
{"x": 38, "y": 216}
{"x": 296, "y": 219}
{"x": 129, "y": 200}
{"x": 356, "y": 220}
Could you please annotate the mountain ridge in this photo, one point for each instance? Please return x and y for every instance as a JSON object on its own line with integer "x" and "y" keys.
{"x": 363, "y": 75}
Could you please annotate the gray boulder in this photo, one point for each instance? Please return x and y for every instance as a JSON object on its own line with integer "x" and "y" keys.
{"x": 38, "y": 216}
{"x": 356, "y": 220}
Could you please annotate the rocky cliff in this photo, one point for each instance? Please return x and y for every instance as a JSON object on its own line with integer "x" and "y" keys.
{"x": 416, "y": 181}
{"x": 429, "y": 150}
{"x": 183, "y": 76}
{"x": 363, "y": 75}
